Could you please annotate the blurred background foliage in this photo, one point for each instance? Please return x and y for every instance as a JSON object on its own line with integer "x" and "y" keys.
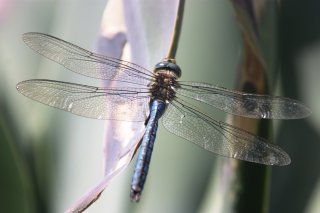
{"x": 48, "y": 158}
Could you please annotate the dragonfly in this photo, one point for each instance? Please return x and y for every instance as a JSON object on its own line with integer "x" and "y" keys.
{"x": 150, "y": 96}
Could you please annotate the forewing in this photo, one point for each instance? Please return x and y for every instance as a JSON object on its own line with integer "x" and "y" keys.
{"x": 221, "y": 138}
{"x": 125, "y": 104}
{"x": 85, "y": 62}
{"x": 244, "y": 104}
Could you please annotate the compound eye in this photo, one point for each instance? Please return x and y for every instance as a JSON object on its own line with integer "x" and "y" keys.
{"x": 168, "y": 64}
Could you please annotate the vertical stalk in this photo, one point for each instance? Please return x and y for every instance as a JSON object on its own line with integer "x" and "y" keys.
{"x": 251, "y": 182}
{"x": 176, "y": 32}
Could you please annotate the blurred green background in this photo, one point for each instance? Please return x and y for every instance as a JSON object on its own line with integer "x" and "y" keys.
{"x": 49, "y": 158}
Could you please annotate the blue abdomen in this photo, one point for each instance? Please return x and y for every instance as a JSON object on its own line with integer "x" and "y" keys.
{"x": 142, "y": 166}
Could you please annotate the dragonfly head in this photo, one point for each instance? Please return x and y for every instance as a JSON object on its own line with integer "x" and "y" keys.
{"x": 168, "y": 64}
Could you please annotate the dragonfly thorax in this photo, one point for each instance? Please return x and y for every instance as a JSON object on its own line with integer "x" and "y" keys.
{"x": 164, "y": 85}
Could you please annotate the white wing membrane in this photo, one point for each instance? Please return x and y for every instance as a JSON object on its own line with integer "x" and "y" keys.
{"x": 244, "y": 104}
{"x": 125, "y": 104}
{"x": 221, "y": 138}
{"x": 85, "y": 62}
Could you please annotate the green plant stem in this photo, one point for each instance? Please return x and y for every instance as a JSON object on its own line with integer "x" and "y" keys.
{"x": 177, "y": 29}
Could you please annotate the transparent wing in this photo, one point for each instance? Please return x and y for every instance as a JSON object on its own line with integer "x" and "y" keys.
{"x": 125, "y": 104}
{"x": 85, "y": 62}
{"x": 220, "y": 138}
{"x": 244, "y": 104}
